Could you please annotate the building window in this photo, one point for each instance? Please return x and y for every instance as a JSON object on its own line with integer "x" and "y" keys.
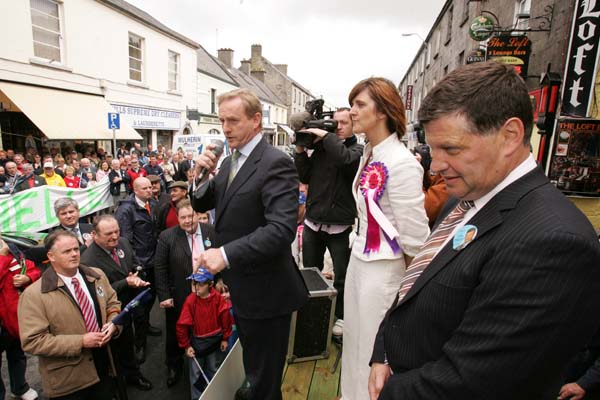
{"x": 465, "y": 13}
{"x": 522, "y": 14}
{"x": 213, "y": 101}
{"x": 45, "y": 24}
{"x": 423, "y": 60}
{"x": 428, "y": 50}
{"x": 173, "y": 70}
{"x": 449, "y": 25}
{"x": 436, "y": 43}
{"x": 136, "y": 57}
{"x": 460, "y": 60}
{"x": 445, "y": 70}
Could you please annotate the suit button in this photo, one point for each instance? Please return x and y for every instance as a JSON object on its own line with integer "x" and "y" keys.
{"x": 393, "y": 326}
{"x": 91, "y": 359}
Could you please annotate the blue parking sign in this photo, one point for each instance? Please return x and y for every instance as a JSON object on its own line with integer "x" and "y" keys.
{"x": 114, "y": 121}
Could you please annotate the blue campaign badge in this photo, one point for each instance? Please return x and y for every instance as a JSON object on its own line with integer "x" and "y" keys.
{"x": 464, "y": 236}
{"x": 207, "y": 242}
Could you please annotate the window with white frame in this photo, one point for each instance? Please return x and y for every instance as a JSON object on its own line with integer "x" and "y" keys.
{"x": 174, "y": 71}
{"x": 46, "y": 27}
{"x": 522, "y": 14}
{"x": 437, "y": 42}
{"x": 136, "y": 57}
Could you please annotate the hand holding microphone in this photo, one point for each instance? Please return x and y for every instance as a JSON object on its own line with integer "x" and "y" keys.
{"x": 207, "y": 161}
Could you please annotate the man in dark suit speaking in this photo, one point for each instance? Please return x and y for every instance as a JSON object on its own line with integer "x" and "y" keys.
{"x": 255, "y": 196}
{"x": 505, "y": 290}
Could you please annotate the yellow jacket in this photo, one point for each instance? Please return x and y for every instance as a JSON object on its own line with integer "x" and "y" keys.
{"x": 54, "y": 180}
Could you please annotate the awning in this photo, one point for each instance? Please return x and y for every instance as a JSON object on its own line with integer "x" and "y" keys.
{"x": 286, "y": 128}
{"x": 60, "y": 114}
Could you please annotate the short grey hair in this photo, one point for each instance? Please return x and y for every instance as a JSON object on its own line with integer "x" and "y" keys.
{"x": 64, "y": 202}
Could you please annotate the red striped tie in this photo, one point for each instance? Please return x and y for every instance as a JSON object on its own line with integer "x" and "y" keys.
{"x": 89, "y": 316}
{"x": 431, "y": 246}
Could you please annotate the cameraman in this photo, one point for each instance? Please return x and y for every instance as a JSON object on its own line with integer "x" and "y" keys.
{"x": 330, "y": 206}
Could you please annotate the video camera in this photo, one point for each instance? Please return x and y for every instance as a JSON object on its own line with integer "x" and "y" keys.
{"x": 313, "y": 117}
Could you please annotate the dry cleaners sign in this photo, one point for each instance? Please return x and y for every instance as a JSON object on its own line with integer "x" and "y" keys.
{"x": 149, "y": 118}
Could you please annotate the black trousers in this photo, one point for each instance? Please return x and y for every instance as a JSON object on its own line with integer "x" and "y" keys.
{"x": 141, "y": 315}
{"x": 124, "y": 354}
{"x": 174, "y": 353}
{"x": 102, "y": 390}
{"x": 313, "y": 251}
{"x": 265, "y": 344}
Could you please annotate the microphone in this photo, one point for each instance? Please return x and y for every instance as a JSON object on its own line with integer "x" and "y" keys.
{"x": 217, "y": 151}
{"x": 298, "y": 120}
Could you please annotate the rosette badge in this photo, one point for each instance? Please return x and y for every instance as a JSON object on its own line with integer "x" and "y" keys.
{"x": 373, "y": 181}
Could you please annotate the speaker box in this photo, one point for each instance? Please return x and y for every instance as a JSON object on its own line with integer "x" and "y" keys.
{"x": 310, "y": 330}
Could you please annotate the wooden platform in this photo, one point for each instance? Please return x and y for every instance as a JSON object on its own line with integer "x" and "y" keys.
{"x": 312, "y": 380}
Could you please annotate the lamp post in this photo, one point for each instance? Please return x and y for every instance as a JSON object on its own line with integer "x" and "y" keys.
{"x": 424, "y": 45}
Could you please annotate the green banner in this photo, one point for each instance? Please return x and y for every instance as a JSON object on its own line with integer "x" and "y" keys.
{"x": 33, "y": 210}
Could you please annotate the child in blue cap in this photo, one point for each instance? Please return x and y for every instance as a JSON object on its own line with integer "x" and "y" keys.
{"x": 203, "y": 329}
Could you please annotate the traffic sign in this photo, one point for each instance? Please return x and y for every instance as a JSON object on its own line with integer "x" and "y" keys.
{"x": 114, "y": 121}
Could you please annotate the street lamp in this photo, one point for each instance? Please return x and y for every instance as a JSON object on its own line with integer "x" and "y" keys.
{"x": 426, "y": 46}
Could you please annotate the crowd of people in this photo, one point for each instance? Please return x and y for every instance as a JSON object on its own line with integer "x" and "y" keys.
{"x": 466, "y": 274}
{"x": 81, "y": 169}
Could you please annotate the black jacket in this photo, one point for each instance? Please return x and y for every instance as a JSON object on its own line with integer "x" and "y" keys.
{"x": 137, "y": 226}
{"x": 95, "y": 256}
{"x": 115, "y": 188}
{"x": 329, "y": 172}
{"x": 23, "y": 183}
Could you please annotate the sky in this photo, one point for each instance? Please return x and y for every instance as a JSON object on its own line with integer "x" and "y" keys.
{"x": 328, "y": 45}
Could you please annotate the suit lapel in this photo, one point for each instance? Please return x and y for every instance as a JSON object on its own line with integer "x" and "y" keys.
{"x": 489, "y": 217}
{"x": 206, "y": 237}
{"x": 183, "y": 239}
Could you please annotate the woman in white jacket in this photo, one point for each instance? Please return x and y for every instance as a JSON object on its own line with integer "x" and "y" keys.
{"x": 392, "y": 225}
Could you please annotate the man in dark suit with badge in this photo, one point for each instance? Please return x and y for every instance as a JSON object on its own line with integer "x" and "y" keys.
{"x": 504, "y": 292}
{"x": 67, "y": 211}
{"x": 114, "y": 256}
{"x": 173, "y": 263}
{"x": 255, "y": 196}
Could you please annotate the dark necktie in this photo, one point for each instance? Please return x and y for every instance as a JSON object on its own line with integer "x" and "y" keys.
{"x": 116, "y": 257}
{"x": 87, "y": 309}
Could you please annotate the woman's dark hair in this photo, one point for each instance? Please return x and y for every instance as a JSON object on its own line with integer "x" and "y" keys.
{"x": 387, "y": 100}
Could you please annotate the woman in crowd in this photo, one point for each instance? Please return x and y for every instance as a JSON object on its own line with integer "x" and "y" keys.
{"x": 59, "y": 161}
{"x": 102, "y": 171}
{"x": 70, "y": 179}
{"x": 392, "y": 225}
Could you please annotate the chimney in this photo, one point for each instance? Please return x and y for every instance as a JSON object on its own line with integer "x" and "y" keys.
{"x": 259, "y": 75}
{"x": 245, "y": 67}
{"x": 256, "y": 52}
{"x": 226, "y": 57}
{"x": 282, "y": 68}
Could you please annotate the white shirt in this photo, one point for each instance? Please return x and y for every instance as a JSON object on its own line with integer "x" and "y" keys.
{"x": 246, "y": 149}
{"x": 82, "y": 284}
{"x": 522, "y": 169}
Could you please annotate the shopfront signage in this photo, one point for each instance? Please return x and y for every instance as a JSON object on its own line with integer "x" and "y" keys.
{"x": 477, "y": 55}
{"x": 481, "y": 28}
{"x": 582, "y": 60}
{"x": 149, "y": 118}
{"x": 510, "y": 50}
{"x": 575, "y": 163}
{"x": 409, "y": 94}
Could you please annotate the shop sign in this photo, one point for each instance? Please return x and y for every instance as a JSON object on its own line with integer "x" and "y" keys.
{"x": 510, "y": 50}
{"x": 476, "y": 56}
{"x": 481, "y": 28}
{"x": 582, "y": 60}
{"x": 575, "y": 166}
{"x": 408, "y": 100}
{"x": 149, "y": 118}
{"x": 196, "y": 143}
